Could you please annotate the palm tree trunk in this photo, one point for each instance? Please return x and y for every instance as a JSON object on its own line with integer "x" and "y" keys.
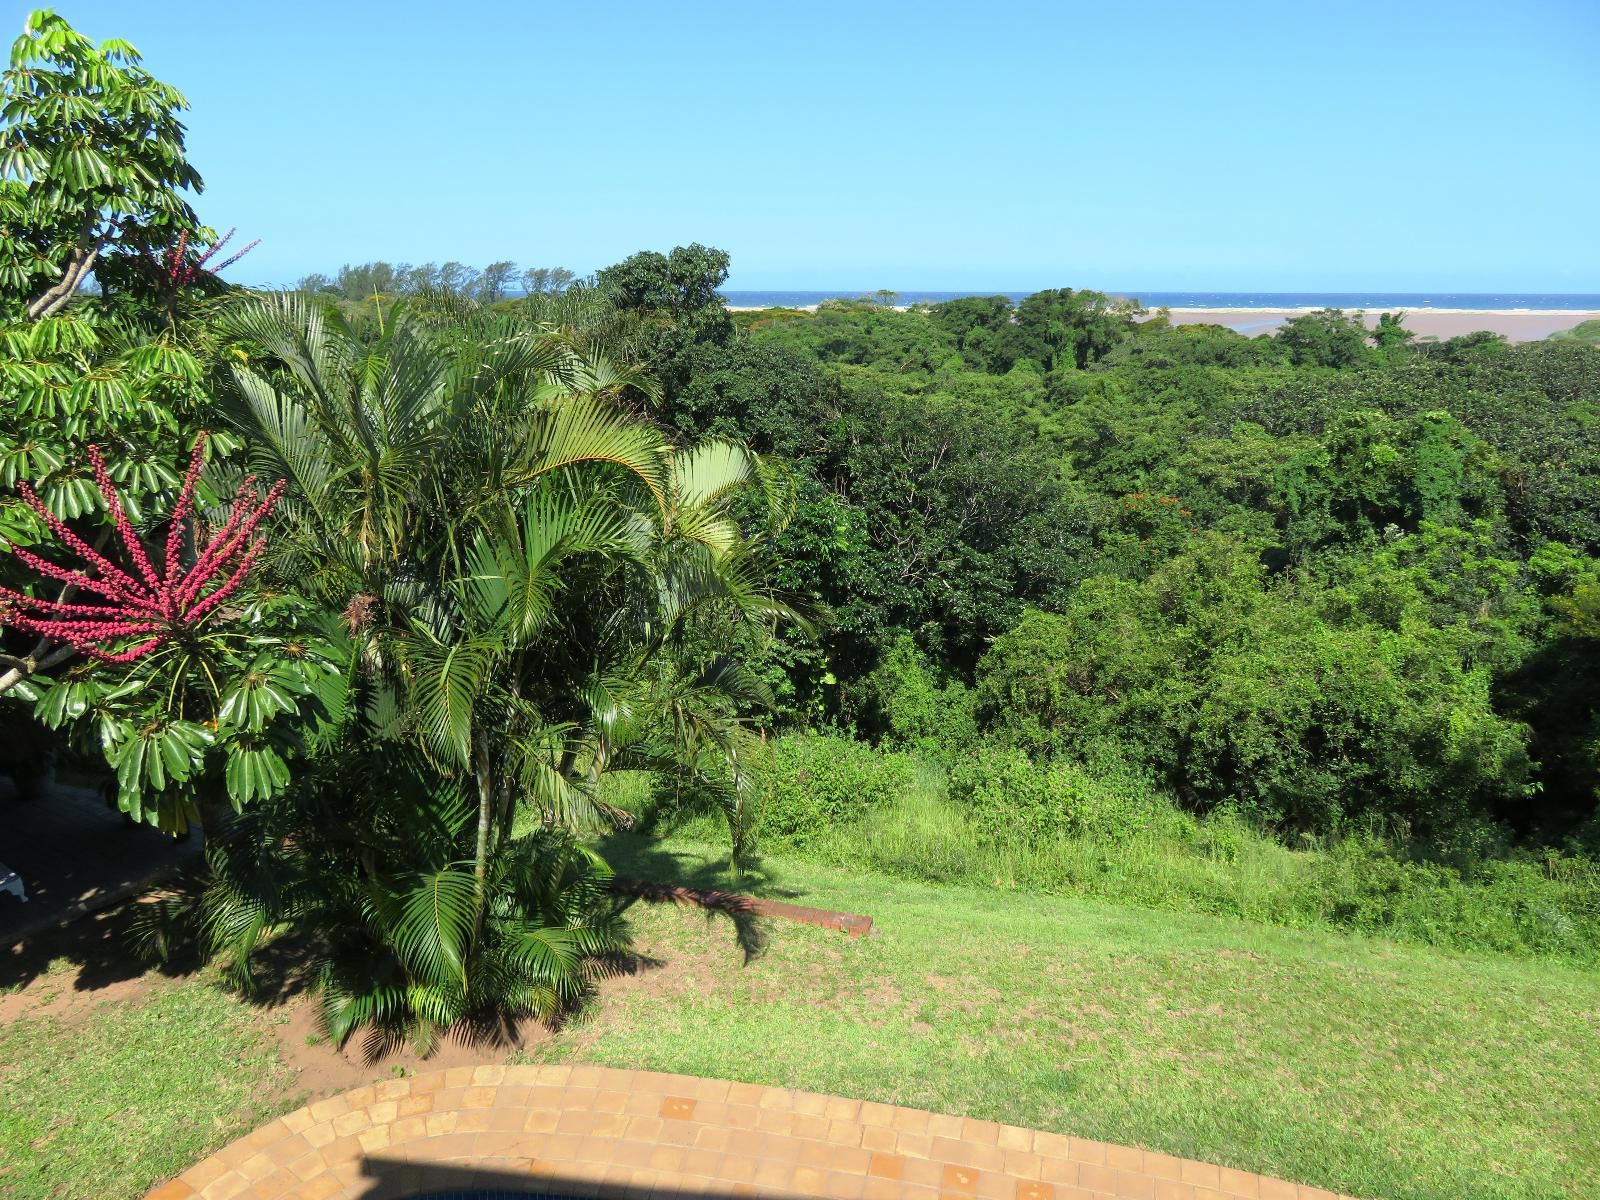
{"x": 480, "y": 861}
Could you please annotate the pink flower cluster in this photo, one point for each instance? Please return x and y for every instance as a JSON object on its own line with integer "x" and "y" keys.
{"x": 141, "y": 603}
{"x": 181, "y": 272}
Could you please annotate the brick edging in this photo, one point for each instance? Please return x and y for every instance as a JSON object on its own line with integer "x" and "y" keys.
{"x": 638, "y": 1135}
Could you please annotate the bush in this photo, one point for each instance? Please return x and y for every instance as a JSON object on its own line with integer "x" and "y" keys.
{"x": 904, "y": 704}
{"x": 1011, "y": 800}
{"x": 811, "y": 782}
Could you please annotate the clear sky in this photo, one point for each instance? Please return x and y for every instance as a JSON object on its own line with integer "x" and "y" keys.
{"x": 1401, "y": 145}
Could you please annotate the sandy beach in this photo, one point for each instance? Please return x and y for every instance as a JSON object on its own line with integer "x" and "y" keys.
{"x": 1518, "y": 325}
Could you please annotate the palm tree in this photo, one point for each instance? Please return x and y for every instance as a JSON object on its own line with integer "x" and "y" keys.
{"x": 525, "y": 570}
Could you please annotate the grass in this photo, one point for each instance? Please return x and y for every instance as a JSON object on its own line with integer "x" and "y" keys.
{"x": 109, "y": 1102}
{"x": 1378, "y": 1069}
{"x": 1154, "y": 855}
{"x": 1353, "y": 1064}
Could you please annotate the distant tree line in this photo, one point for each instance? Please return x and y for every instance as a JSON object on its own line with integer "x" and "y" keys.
{"x": 497, "y": 281}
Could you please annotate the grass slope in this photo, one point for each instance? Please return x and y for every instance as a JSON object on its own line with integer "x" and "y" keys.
{"x": 1381, "y": 1070}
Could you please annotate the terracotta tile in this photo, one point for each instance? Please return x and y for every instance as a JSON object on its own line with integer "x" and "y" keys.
{"x": 1052, "y": 1145}
{"x": 1086, "y": 1151}
{"x": 320, "y": 1189}
{"x": 879, "y": 1137}
{"x": 376, "y": 1138}
{"x": 665, "y": 1158}
{"x": 1130, "y": 1185}
{"x": 307, "y": 1166}
{"x": 773, "y": 1175}
{"x": 1204, "y": 1174}
{"x": 172, "y": 1190}
{"x": 886, "y": 1166}
{"x": 643, "y": 1129}
{"x": 610, "y": 1101}
{"x": 1241, "y": 1183}
{"x": 914, "y": 1145}
{"x": 1171, "y": 1189}
{"x": 840, "y": 1109}
{"x": 745, "y": 1093}
{"x": 1060, "y": 1171}
{"x": 1023, "y": 1164}
{"x": 844, "y": 1133}
{"x": 910, "y": 1120}
{"x": 1032, "y": 1190}
{"x": 852, "y": 1160}
{"x": 772, "y": 1120}
{"x": 541, "y": 1120}
{"x": 739, "y": 1168}
{"x": 808, "y": 1104}
{"x": 876, "y": 1114}
{"x": 327, "y": 1110}
{"x": 1098, "y": 1177}
{"x": 1162, "y": 1166}
{"x": 677, "y": 1108}
{"x": 841, "y": 1186}
{"x": 710, "y": 1137}
{"x": 808, "y": 1125}
{"x": 943, "y": 1125}
{"x": 677, "y": 1133}
{"x": 960, "y": 1179}
{"x": 554, "y": 1075}
{"x": 882, "y": 1189}
{"x": 984, "y": 1132}
{"x": 225, "y": 1187}
{"x": 969, "y": 1154}
{"x": 1277, "y": 1189}
{"x": 808, "y": 1180}
{"x": 415, "y": 1106}
{"x": 210, "y": 1169}
{"x": 408, "y": 1128}
{"x": 741, "y": 1116}
{"x": 298, "y": 1121}
{"x": 1013, "y": 1138}
{"x": 1126, "y": 1158}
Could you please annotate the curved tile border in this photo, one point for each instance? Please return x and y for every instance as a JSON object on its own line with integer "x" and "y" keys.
{"x": 634, "y": 1135}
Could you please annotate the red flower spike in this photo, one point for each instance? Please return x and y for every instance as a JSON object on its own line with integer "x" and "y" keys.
{"x": 163, "y": 604}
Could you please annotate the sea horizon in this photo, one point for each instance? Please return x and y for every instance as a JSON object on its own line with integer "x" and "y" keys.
{"x": 1268, "y": 301}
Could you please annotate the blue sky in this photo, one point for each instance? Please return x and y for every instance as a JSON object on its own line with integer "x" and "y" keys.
{"x": 1273, "y": 146}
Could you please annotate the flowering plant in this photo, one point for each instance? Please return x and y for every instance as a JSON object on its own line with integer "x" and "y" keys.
{"x": 145, "y": 603}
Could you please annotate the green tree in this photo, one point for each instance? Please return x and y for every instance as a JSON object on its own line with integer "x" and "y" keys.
{"x": 92, "y": 168}
{"x": 1328, "y": 337}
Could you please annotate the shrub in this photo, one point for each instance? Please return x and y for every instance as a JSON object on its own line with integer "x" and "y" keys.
{"x": 904, "y": 704}
{"x": 809, "y": 782}
{"x": 1010, "y": 799}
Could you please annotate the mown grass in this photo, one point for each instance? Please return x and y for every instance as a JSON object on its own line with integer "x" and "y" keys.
{"x": 107, "y": 1103}
{"x": 1164, "y": 858}
{"x": 1353, "y": 1064}
{"x": 1374, "y": 1068}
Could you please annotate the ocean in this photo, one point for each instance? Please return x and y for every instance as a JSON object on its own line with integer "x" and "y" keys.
{"x": 1411, "y": 301}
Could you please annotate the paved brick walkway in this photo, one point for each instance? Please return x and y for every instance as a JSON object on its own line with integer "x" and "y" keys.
{"x": 634, "y": 1135}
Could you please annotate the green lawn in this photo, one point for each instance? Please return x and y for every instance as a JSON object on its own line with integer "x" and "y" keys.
{"x": 1382, "y": 1070}
{"x": 131, "y": 1092}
